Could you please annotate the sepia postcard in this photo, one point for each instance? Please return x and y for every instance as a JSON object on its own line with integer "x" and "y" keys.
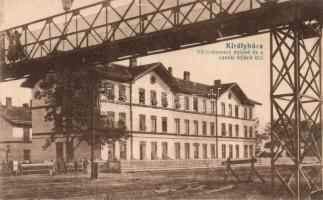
{"x": 161, "y": 99}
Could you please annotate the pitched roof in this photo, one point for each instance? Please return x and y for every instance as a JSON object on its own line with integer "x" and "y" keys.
{"x": 16, "y": 115}
{"x": 123, "y": 73}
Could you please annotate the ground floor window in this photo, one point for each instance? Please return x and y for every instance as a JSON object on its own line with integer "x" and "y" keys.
{"x": 154, "y": 150}
{"x": 237, "y": 151}
{"x": 246, "y": 151}
{"x": 204, "y": 151}
{"x": 111, "y": 150}
{"x": 223, "y": 151}
{"x": 251, "y": 151}
{"x": 164, "y": 151}
{"x": 187, "y": 150}
{"x": 230, "y": 151}
{"x": 142, "y": 149}
{"x": 212, "y": 151}
{"x": 26, "y": 154}
{"x": 123, "y": 150}
{"x": 177, "y": 150}
{"x": 196, "y": 151}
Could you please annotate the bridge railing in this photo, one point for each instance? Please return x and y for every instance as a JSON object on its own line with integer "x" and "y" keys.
{"x": 111, "y": 21}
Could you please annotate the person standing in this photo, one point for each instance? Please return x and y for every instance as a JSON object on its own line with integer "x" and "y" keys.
{"x": 76, "y": 165}
{"x": 85, "y": 164}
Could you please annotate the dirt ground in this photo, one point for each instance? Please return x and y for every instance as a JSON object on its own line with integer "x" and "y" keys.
{"x": 180, "y": 184}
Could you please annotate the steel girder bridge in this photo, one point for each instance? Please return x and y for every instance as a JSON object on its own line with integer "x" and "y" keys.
{"x": 110, "y": 31}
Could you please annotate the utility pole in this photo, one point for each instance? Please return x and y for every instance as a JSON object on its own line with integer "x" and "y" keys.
{"x": 93, "y": 107}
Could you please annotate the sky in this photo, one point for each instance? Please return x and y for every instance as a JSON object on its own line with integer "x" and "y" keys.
{"x": 251, "y": 76}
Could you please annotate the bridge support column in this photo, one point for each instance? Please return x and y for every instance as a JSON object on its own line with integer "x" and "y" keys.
{"x": 296, "y": 109}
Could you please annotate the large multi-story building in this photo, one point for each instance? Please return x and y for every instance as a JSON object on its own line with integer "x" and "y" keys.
{"x": 15, "y": 132}
{"x": 167, "y": 117}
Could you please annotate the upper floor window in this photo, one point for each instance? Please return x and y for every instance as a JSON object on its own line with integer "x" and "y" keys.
{"x": 196, "y": 127}
{"x": 195, "y": 103}
{"x": 230, "y": 110}
{"x": 122, "y": 93}
{"x": 153, "y": 98}
{"x": 204, "y": 128}
{"x": 164, "y": 124}
{"x": 237, "y": 151}
{"x": 230, "y": 130}
{"x": 26, "y": 154}
{"x": 250, "y": 113}
{"x": 154, "y": 150}
{"x": 26, "y": 134}
{"x": 177, "y": 150}
{"x": 122, "y": 118}
{"x": 245, "y": 113}
{"x": 213, "y": 104}
{"x": 204, "y": 151}
{"x": 186, "y": 103}
{"x": 141, "y": 96}
{"x": 108, "y": 90}
{"x": 223, "y": 108}
{"x": 204, "y": 105}
{"x": 236, "y": 109}
{"x": 110, "y": 119}
{"x": 177, "y": 102}
{"x": 177, "y": 126}
{"x": 237, "y": 130}
{"x": 250, "y": 131}
{"x": 230, "y": 151}
{"x": 164, "y": 99}
{"x": 212, "y": 128}
{"x": 196, "y": 150}
{"x": 142, "y": 122}
{"x": 224, "y": 132}
{"x": 245, "y": 131}
{"x": 187, "y": 126}
{"x": 224, "y": 153}
{"x": 153, "y": 124}
{"x": 164, "y": 150}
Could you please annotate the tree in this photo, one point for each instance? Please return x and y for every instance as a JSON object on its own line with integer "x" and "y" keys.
{"x": 67, "y": 91}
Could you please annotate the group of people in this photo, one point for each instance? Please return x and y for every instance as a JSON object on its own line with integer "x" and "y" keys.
{"x": 60, "y": 166}
{"x": 15, "y": 49}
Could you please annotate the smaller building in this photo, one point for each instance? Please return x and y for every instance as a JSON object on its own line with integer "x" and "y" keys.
{"x": 15, "y": 132}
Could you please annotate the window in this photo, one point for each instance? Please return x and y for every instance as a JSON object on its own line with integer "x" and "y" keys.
{"x": 164, "y": 99}
{"x": 246, "y": 151}
{"x": 212, "y": 151}
{"x": 187, "y": 126}
{"x": 224, "y": 132}
{"x": 154, "y": 150}
{"x": 122, "y": 93}
{"x": 186, "y": 103}
{"x": 142, "y": 96}
{"x": 177, "y": 102}
{"x": 142, "y": 122}
{"x": 108, "y": 90}
{"x": 230, "y": 151}
{"x": 177, "y": 150}
{"x": 204, "y": 128}
{"x": 196, "y": 150}
{"x": 230, "y": 110}
{"x": 250, "y": 131}
{"x": 164, "y": 151}
{"x": 110, "y": 119}
{"x": 153, "y": 98}
{"x": 251, "y": 151}
{"x": 223, "y": 108}
{"x": 195, "y": 103}
{"x": 177, "y": 126}
{"x": 236, "y": 108}
{"x": 213, "y": 106}
{"x": 153, "y": 124}
{"x": 26, "y": 134}
{"x": 122, "y": 119}
{"x": 26, "y": 154}
{"x": 187, "y": 151}
{"x": 237, "y": 151}
{"x": 230, "y": 130}
{"x": 123, "y": 150}
{"x": 204, "y": 105}
{"x": 224, "y": 154}
{"x": 164, "y": 124}
{"x": 142, "y": 149}
{"x": 204, "y": 151}
{"x": 196, "y": 127}
{"x": 237, "y": 130}
{"x": 212, "y": 128}
{"x": 250, "y": 113}
{"x": 245, "y": 131}
{"x": 245, "y": 113}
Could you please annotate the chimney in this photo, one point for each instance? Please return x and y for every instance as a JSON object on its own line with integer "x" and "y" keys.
{"x": 133, "y": 62}
{"x": 8, "y": 102}
{"x": 25, "y": 105}
{"x": 170, "y": 70}
{"x": 186, "y": 76}
{"x": 217, "y": 84}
